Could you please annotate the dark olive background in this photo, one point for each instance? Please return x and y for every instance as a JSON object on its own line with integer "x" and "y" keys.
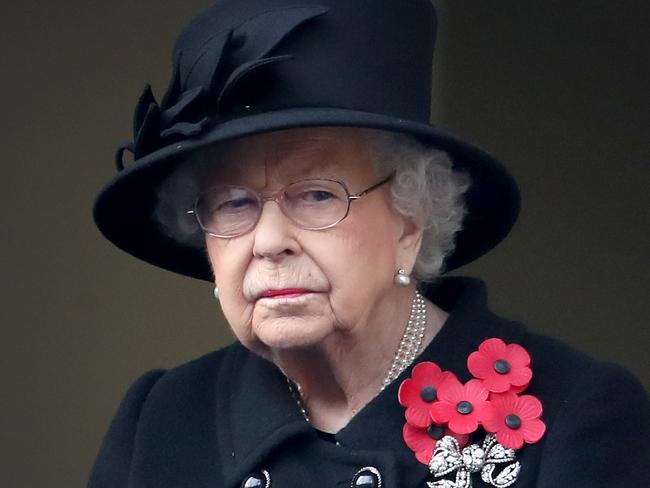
{"x": 558, "y": 90}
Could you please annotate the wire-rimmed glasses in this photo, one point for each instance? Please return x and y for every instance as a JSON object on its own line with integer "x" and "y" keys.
{"x": 227, "y": 211}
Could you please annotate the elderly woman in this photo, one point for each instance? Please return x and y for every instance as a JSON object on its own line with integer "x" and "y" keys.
{"x": 292, "y": 165}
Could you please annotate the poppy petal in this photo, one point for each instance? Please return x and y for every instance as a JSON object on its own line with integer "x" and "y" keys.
{"x": 463, "y": 424}
{"x": 517, "y": 389}
{"x": 417, "y": 439}
{"x": 418, "y": 416}
{"x": 520, "y": 376}
{"x": 493, "y": 419}
{"x": 441, "y": 412}
{"x": 505, "y": 401}
{"x": 528, "y": 407}
{"x": 476, "y": 391}
{"x": 481, "y": 409}
{"x": 517, "y": 355}
{"x": 497, "y": 383}
{"x": 512, "y": 439}
{"x": 451, "y": 390}
{"x": 494, "y": 347}
{"x": 407, "y": 392}
{"x": 425, "y": 455}
{"x": 478, "y": 365}
{"x": 533, "y": 430}
{"x": 426, "y": 371}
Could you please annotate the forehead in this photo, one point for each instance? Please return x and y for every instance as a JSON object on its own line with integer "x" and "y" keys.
{"x": 281, "y": 156}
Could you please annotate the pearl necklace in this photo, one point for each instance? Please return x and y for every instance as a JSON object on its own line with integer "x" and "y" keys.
{"x": 409, "y": 348}
{"x": 412, "y": 339}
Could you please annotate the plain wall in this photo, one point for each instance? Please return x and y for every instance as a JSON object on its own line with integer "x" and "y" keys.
{"x": 557, "y": 90}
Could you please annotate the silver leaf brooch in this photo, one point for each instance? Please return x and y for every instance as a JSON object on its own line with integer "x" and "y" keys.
{"x": 443, "y": 417}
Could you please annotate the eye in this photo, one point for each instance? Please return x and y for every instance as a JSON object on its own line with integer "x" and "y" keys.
{"x": 317, "y": 196}
{"x": 235, "y": 204}
{"x": 312, "y": 193}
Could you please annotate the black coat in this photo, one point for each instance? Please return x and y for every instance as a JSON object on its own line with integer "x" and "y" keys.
{"x": 214, "y": 421}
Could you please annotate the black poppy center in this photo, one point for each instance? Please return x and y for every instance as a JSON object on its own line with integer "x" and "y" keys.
{"x": 501, "y": 366}
{"x": 428, "y": 394}
{"x": 436, "y": 432}
{"x": 464, "y": 407}
{"x": 513, "y": 421}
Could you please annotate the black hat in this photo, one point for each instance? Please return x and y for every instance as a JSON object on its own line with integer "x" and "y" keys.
{"x": 244, "y": 67}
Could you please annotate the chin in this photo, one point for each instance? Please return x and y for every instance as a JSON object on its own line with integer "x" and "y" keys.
{"x": 292, "y": 332}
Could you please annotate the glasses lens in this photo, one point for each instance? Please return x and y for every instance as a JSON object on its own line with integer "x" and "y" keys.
{"x": 228, "y": 210}
{"x": 315, "y": 204}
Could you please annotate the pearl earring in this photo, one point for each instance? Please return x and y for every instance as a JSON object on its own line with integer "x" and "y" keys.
{"x": 402, "y": 278}
{"x": 216, "y": 293}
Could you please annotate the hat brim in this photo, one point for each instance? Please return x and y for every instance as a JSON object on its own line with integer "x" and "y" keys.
{"x": 123, "y": 208}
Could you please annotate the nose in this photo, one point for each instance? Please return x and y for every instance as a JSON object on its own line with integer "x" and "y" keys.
{"x": 274, "y": 236}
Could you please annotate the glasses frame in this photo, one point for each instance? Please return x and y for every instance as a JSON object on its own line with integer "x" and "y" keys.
{"x": 277, "y": 197}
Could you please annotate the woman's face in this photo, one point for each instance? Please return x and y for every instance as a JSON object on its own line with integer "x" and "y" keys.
{"x": 343, "y": 271}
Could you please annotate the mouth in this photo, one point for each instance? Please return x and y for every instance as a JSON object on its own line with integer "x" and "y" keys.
{"x": 284, "y": 293}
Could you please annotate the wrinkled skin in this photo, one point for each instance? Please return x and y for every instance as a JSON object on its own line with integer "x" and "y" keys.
{"x": 353, "y": 318}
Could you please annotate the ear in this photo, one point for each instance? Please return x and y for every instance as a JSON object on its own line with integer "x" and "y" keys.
{"x": 408, "y": 243}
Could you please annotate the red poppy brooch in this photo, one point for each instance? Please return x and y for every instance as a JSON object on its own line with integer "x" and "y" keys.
{"x": 444, "y": 415}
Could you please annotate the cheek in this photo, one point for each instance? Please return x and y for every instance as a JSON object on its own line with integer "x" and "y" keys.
{"x": 359, "y": 260}
{"x": 229, "y": 261}
{"x": 371, "y": 244}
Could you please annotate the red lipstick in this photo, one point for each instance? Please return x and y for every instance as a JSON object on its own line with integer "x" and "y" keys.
{"x": 284, "y": 293}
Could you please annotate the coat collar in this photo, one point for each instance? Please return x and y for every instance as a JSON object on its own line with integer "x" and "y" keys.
{"x": 261, "y": 414}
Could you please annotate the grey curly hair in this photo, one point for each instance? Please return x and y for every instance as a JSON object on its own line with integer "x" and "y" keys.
{"x": 425, "y": 188}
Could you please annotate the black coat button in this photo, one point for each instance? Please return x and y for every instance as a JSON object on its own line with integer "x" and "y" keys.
{"x": 257, "y": 480}
{"x": 368, "y": 477}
